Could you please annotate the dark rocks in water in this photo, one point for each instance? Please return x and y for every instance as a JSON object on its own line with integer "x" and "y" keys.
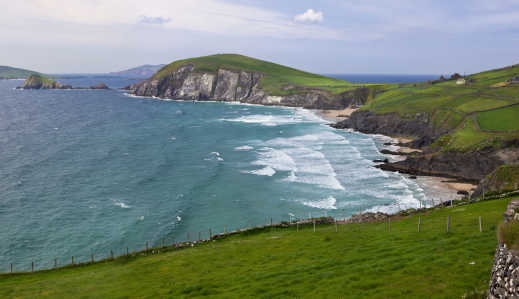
{"x": 99, "y": 86}
{"x": 413, "y": 177}
{"x": 381, "y": 161}
{"x": 388, "y": 143}
{"x": 463, "y": 192}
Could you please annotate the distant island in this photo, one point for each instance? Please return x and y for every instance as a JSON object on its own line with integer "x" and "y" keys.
{"x": 140, "y": 72}
{"x": 38, "y": 81}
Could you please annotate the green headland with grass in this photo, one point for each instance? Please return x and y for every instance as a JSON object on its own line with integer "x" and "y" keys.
{"x": 277, "y": 79}
{"x": 7, "y": 72}
{"x": 366, "y": 260}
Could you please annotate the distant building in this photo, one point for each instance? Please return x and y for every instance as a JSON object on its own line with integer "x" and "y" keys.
{"x": 460, "y": 81}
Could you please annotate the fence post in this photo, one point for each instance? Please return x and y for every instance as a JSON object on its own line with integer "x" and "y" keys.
{"x": 72, "y": 260}
{"x": 11, "y": 267}
{"x": 187, "y": 236}
{"x": 146, "y": 246}
{"x": 111, "y": 254}
{"x": 344, "y": 218}
{"x": 198, "y": 236}
{"x": 336, "y": 230}
{"x": 225, "y": 229}
{"x": 270, "y": 221}
{"x": 55, "y": 262}
{"x": 297, "y": 225}
{"x": 314, "y": 226}
{"x": 162, "y": 242}
{"x": 419, "y": 222}
{"x": 92, "y": 257}
{"x": 389, "y": 224}
{"x": 32, "y": 266}
{"x": 127, "y": 251}
{"x": 480, "y": 226}
{"x": 210, "y": 234}
{"x": 448, "y": 222}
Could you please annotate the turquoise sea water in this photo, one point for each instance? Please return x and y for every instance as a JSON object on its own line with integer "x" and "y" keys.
{"x": 87, "y": 171}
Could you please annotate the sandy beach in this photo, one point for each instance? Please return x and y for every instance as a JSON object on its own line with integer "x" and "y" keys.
{"x": 335, "y": 115}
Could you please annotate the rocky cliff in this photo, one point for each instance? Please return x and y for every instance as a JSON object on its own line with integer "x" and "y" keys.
{"x": 470, "y": 166}
{"x": 187, "y": 83}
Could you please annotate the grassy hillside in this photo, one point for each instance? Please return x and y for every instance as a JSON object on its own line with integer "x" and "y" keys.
{"x": 481, "y": 112}
{"x": 358, "y": 261}
{"x": 275, "y": 76}
{"x": 7, "y": 72}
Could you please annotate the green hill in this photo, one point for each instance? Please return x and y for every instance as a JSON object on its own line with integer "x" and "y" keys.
{"x": 483, "y": 111}
{"x": 7, "y": 72}
{"x": 358, "y": 261}
{"x": 276, "y": 77}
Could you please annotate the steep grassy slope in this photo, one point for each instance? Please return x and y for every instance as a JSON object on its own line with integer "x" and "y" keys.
{"x": 487, "y": 97}
{"x": 358, "y": 261}
{"x": 275, "y": 76}
{"x": 7, "y": 72}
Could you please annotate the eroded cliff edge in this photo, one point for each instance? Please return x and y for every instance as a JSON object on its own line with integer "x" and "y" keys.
{"x": 188, "y": 83}
{"x": 467, "y": 166}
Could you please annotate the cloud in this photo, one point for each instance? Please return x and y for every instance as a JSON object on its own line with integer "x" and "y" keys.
{"x": 209, "y": 16}
{"x": 310, "y": 16}
{"x": 154, "y": 20}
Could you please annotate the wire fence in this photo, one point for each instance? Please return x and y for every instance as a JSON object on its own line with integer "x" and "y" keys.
{"x": 414, "y": 225}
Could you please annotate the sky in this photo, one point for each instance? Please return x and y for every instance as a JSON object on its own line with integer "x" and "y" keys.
{"x": 327, "y": 36}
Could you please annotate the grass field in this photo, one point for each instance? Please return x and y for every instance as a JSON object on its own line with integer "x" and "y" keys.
{"x": 275, "y": 76}
{"x": 506, "y": 119}
{"x": 358, "y": 261}
{"x": 451, "y": 107}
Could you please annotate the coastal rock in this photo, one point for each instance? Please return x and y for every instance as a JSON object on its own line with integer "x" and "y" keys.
{"x": 467, "y": 166}
{"x": 99, "y": 86}
{"x": 40, "y": 82}
{"x": 390, "y": 124}
{"x": 187, "y": 83}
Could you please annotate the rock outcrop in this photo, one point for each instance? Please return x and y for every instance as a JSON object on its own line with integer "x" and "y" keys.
{"x": 187, "y": 83}
{"x": 40, "y": 82}
{"x": 392, "y": 124}
{"x": 504, "y": 279}
{"x": 502, "y": 180}
{"x": 99, "y": 86}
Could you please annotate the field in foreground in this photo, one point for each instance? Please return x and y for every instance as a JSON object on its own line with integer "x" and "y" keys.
{"x": 357, "y": 261}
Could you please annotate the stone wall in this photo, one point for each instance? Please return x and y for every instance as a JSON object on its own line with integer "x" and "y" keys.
{"x": 504, "y": 280}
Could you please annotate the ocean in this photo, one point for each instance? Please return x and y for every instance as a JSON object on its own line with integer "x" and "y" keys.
{"x": 88, "y": 171}
{"x": 383, "y": 78}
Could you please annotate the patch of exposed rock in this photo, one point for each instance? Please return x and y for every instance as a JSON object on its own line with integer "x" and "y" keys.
{"x": 186, "y": 83}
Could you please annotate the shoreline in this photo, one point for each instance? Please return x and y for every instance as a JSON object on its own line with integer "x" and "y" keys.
{"x": 434, "y": 186}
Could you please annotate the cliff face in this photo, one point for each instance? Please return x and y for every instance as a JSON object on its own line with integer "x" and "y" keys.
{"x": 471, "y": 166}
{"x": 186, "y": 83}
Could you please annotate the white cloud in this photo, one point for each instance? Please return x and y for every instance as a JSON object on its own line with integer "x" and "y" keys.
{"x": 310, "y": 16}
{"x": 210, "y": 16}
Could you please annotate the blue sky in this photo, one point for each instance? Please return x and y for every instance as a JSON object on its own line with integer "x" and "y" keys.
{"x": 331, "y": 36}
